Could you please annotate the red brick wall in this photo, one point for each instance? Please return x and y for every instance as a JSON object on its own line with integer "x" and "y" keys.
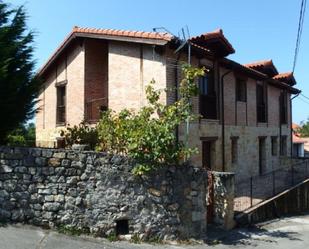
{"x": 96, "y": 75}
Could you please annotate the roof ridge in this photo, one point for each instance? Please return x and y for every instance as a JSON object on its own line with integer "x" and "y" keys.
{"x": 263, "y": 62}
{"x": 123, "y": 32}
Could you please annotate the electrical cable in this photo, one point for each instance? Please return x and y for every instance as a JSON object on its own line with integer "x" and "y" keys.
{"x": 299, "y": 31}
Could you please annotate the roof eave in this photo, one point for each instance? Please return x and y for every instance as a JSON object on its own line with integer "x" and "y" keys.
{"x": 258, "y": 75}
{"x": 74, "y": 35}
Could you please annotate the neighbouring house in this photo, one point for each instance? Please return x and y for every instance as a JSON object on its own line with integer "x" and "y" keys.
{"x": 245, "y": 123}
{"x": 300, "y": 144}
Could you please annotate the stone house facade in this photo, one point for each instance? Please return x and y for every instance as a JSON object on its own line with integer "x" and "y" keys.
{"x": 246, "y": 113}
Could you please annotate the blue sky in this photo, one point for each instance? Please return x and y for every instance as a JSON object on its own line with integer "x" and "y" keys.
{"x": 258, "y": 29}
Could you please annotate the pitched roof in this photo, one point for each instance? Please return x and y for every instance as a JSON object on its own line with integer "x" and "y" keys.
{"x": 215, "y": 41}
{"x": 211, "y": 42}
{"x": 286, "y": 77}
{"x": 157, "y": 38}
{"x": 124, "y": 33}
{"x": 298, "y": 140}
{"x": 295, "y": 126}
{"x": 264, "y": 66}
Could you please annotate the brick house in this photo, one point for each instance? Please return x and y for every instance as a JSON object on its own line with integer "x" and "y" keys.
{"x": 246, "y": 109}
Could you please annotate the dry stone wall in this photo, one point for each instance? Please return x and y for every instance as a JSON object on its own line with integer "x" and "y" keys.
{"x": 96, "y": 192}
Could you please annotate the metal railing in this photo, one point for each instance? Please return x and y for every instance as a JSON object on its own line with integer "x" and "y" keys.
{"x": 94, "y": 108}
{"x": 253, "y": 190}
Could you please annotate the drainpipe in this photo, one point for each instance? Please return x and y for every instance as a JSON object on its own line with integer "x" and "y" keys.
{"x": 222, "y": 124}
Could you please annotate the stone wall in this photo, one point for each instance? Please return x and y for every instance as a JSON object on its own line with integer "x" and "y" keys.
{"x": 96, "y": 192}
{"x": 224, "y": 189}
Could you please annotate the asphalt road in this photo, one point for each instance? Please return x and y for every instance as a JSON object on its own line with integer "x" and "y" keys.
{"x": 292, "y": 232}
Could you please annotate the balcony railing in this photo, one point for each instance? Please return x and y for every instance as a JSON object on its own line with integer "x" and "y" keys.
{"x": 93, "y": 109}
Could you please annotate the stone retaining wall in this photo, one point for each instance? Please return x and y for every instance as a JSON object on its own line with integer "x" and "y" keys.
{"x": 96, "y": 192}
{"x": 224, "y": 189}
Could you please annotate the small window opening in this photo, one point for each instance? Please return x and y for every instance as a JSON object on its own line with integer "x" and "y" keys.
{"x": 122, "y": 227}
{"x": 262, "y": 155}
{"x": 274, "y": 146}
{"x": 234, "y": 149}
{"x": 61, "y": 105}
{"x": 283, "y": 146}
{"x": 261, "y": 103}
{"x": 241, "y": 90}
{"x": 283, "y": 108}
{"x": 208, "y": 96}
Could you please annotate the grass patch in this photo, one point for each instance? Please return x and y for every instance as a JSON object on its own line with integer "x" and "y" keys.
{"x": 112, "y": 237}
{"x": 154, "y": 240}
{"x": 74, "y": 231}
{"x": 136, "y": 239}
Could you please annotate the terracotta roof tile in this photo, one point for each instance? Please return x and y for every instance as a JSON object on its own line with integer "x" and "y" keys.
{"x": 295, "y": 126}
{"x": 287, "y": 77}
{"x": 264, "y": 66}
{"x": 160, "y": 36}
{"x": 283, "y": 75}
{"x": 125, "y": 33}
{"x": 217, "y": 35}
{"x": 259, "y": 64}
{"x": 298, "y": 140}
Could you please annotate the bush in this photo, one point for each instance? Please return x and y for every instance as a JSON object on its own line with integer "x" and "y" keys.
{"x": 81, "y": 134}
{"x": 24, "y": 135}
{"x": 149, "y": 136}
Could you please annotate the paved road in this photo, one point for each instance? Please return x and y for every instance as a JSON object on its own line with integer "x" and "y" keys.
{"x": 286, "y": 233}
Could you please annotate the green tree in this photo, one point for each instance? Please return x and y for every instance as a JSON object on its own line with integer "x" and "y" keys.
{"x": 24, "y": 135}
{"x": 304, "y": 129}
{"x": 18, "y": 86}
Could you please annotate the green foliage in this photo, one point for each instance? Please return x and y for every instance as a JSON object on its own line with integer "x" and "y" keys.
{"x": 73, "y": 231}
{"x": 81, "y": 134}
{"x": 149, "y": 136}
{"x": 304, "y": 129}
{"x": 154, "y": 240}
{"x": 18, "y": 86}
{"x": 112, "y": 237}
{"x": 24, "y": 135}
{"x": 135, "y": 239}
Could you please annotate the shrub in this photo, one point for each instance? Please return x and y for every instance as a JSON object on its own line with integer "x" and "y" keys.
{"x": 149, "y": 136}
{"x": 81, "y": 134}
{"x": 24, "y": 135}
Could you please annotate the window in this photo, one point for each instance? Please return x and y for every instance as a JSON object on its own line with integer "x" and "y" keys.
{"x": 241, "y": 90}
{"x": 208, "y": 98}
{"x": 206, "y": 84}
{"x": 283, "y": 146}
{"x": 61, "y": 101}
{"x": 234, "y": 149}
{"x": 261, "y": 103}
{"x": 208, "y": 152}
{"x": 262, "y": 155}
{"x": 274, "y": 146}
{"x": 283, "y": 108}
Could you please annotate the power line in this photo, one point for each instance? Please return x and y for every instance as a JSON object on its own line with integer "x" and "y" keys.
{"x": 299, "y": 31}
{"x": 303, "y": 100}
{"x": 304, "y": 96}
